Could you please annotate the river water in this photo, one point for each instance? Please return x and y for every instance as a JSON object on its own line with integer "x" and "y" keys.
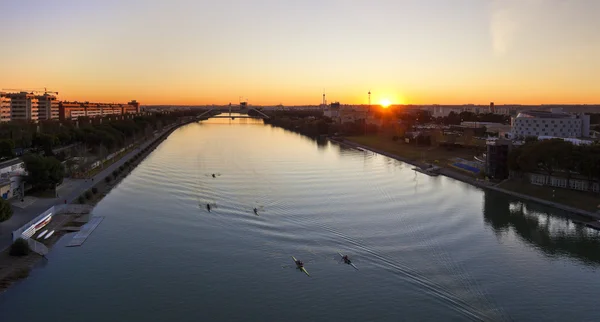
{"x": 427, "y": 248}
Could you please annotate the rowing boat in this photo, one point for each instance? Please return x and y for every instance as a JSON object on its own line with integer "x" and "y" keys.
{"x": 300, "y": 267}
{"x": 42, "y": 234}
{"x": 349, "y": 262}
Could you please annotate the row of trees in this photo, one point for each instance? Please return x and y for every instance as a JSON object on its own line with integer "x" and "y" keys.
{"x": 95, "y": 133}
{"x": 313, "y": 124}
{"x": 556, "y": 157}
{"x": 425, "y": 117}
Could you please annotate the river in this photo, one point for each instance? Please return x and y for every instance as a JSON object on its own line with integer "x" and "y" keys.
{"x": 427, "y": 248}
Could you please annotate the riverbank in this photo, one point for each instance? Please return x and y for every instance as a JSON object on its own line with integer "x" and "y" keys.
{"x": 475, "y": 181}
{"x": 13, "y": 269}
{"x": 104, "y": 186}
{"x": 16, "y": 268}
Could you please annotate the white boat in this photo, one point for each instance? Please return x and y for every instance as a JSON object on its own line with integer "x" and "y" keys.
{"x": 49, "y": 234}
{"x": 42, "y": 234}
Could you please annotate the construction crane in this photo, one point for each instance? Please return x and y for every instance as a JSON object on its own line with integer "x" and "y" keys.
{"x": 45, "y": 91}
{"x": 37, "y": 90}
{"x": 19, "y": 90}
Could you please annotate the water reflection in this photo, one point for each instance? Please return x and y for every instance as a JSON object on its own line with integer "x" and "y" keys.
{"x": 549, "y": 231}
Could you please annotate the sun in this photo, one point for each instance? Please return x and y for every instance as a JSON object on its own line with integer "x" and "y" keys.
{"x": 385, "y": 103}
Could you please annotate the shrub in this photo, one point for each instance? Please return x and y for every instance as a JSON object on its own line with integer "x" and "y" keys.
{"x": 121, "y": 168}
{"x": 115, "y": 173}
{"x": 81, "y": 199}
{"x": 107, "y": 179}
{"x": 19, "y": 248}
{"x": 94, "y": 190}
{"x": 88, "y": 194}
{"x": 5, "y": 210}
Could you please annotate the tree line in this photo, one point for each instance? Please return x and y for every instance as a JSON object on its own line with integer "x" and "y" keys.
{"x": 95, "y": 133}
{"x": 97, "y": 136}
{"x": 556, "y": 157}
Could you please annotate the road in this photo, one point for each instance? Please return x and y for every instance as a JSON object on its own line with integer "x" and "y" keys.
{"x": 70, "y": 190}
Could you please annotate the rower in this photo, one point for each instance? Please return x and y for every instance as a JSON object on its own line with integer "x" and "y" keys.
{"x": 256, "y": 211}
{"x": 208, "y": 207}
{"x": 300, "y": 264}
{"x": 213, "y": 175}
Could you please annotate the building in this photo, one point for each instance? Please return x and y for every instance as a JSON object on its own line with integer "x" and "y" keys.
{"x": 550, "y": 123}
{"x": 11, "y": 178}
{"x": 70, "y": 110}
{"x": 490, "y": 127}
{"x": 496, "y": 160}
{"x": 4, "y": 108}
{"x": 47, "y": 107}
{"x": 133, "y": 107}
{"x": 333, "y": 111}
{"x": 74, "y": 110}
{"x": 23, "y": 106}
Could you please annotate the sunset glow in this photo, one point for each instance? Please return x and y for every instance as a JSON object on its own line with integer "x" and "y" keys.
{"x": 385, "y": 103}
{"x": 206, "y": 52}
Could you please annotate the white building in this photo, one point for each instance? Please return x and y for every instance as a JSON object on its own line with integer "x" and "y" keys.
{"x": 11, "y": 178}
{"x": 4, "y": 108}
{"x": 332, "y": 111}
{"x": 23, "y": 106}
{"x": 554, "y": 123}
{"x": 47, "y": 107}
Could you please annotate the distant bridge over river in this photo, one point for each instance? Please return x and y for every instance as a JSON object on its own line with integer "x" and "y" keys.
{"x": 214, "y": 113}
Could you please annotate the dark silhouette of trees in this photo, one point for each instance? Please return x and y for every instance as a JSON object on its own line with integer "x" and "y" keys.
{"x": 557, "y": 156}
{"x": 7, "y": 147}
{"x": 5, "y": 210}
{"x": 43, "y": 172}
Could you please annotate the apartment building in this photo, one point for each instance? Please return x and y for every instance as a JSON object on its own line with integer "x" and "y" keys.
{"x": 4, "y": 108}
{"x": 47, "y": 107}
{"x": 23, "y": 106}
{"x": 74, "y": 110}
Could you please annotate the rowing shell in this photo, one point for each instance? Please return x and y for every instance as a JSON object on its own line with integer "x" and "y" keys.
{"x": 49, "y": 234}
{"x": 349, "y": 262}
{"x": 42, "y": 234}
{"x": 301, "y": 268}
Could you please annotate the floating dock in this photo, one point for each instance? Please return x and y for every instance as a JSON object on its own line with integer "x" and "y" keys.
{"x": 85, "y": 231}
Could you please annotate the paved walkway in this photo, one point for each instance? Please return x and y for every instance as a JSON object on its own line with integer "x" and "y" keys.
{"x": 70, "y": 190}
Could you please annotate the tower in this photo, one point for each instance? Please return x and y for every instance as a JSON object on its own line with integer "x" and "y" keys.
{"x": 369, "y": 100}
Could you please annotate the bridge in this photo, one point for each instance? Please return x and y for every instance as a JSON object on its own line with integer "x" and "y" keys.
{"x": 210, "y": 113}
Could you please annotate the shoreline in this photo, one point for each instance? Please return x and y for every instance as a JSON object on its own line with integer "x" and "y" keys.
{"x": 472, "y": 181}
{"x": 18, "y": 268}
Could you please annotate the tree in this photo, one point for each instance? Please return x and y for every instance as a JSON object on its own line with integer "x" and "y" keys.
{"x": 568, "y": 156}
{"x": 43, "y": 172}
{"x": 45, "y": 142}
{"x": 19, "y": 248}
{"x": 5, "y": 210}
{"x": 513, "y": 159}
{"x": 7, "y": 147}
{"x": 547, "y": 152}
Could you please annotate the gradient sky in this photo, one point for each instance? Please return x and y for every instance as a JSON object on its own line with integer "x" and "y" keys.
{"x": 280, "y": 51}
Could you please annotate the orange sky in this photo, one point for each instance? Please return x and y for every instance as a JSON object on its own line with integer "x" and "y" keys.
{"x": 193, "y": 53}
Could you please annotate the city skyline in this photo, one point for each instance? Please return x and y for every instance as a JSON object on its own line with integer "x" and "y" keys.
{"x": 268, "y": 52}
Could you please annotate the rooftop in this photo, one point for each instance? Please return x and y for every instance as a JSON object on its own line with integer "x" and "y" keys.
{"x": 544, "y": 114}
